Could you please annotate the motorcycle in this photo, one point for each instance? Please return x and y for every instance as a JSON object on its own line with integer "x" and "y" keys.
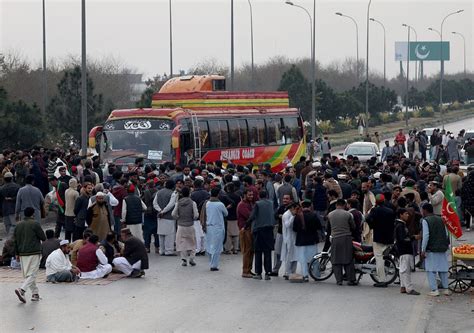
{"x": 320, "y": 267}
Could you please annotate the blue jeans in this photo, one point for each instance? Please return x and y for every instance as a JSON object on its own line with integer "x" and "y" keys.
{"x": 432, "y": 280}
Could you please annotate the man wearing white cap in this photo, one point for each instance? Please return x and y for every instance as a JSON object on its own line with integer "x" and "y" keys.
{"x": 58, "y": 265}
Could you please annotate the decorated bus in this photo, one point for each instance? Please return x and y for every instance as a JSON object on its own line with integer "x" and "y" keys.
{"x": 193, "y": 118}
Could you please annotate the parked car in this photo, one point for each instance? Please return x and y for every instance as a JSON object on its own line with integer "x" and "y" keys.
{"x": 467, "y": 136}
{"x": 363, "y": 150}
{"x": 429, "y": 132}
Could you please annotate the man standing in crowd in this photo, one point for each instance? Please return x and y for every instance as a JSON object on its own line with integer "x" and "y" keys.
{"x": 405, "y": 251}
{"x": 28, "y": 236}
{"x": 214, "y": 215}
{"x": 80, "y": 211}
{"x": 132, "y": 212}
{"x": 164, "y": 203}
{"x": 382, "y": 221}
{"x": 262, "y": 224}
{"x": 99, "y": 218}
{"x": 30, "y": 196}
{"x": 340, "y": 226}
{"x": 8, "y": 193}
{"x": 244, "y": 209}
{"x": 433, "y": 249}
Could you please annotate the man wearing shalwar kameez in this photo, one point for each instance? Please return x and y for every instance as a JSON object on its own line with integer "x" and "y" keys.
{"x": 433, "y": 248}
{"x": 215, "y": 212}
{"x": 164, "y": 202}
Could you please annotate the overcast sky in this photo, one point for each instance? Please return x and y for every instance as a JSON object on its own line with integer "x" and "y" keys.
{"x": 137, "y": 32}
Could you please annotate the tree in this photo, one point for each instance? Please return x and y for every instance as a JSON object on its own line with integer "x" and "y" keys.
{"x": 328, "y": 102}
{"x": 152, "y": 86}
{"x": 65, "y": 108}
{"x": 21, "y": 125}
{"x": 299, "y": 90}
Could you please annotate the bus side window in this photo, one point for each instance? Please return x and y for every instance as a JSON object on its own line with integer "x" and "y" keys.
{"x": 224, "y": 133}
{"x": 204, "y": 133}
{"x": 234, "y": 133}
{"x": 257, "y": 132}
{"x": 292, "y": 130}
{"x": 244, "y": 133}
{"x": 274, "y": 135}
{"x": 214, "y": 133}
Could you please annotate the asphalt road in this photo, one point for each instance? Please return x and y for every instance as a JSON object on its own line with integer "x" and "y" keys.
{"x": 172, "y": 298}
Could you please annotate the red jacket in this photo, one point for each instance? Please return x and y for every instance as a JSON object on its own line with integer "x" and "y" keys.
{"x": 244, "y": 209}
{"x": 400, "y": 138}
{"x": 119, "y": 192}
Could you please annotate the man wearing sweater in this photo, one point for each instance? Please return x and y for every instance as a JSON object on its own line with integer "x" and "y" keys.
{"x": 28, "y": 236}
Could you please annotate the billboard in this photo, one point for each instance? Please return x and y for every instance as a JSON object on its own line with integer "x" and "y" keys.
{"x": 422, "y": 51}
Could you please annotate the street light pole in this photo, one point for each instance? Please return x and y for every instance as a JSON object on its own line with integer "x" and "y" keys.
{"x": 312, "y": 22}
{"x": 416, "y": 61}
{"x": 384, "y": 51}
{"x": 83, "y": 84}
{"x": 408, "y": 74}
{"x": 231, "y": 45}
{"x": 357, "y": 42}
{"x": 45, "y": 79}
{"x": 442, "y": 65}
{"x": 367, "y": 71}
{"x": 251, "y": 45}
{"x": 171, "y": 42}
{"x": 464, "y": 42}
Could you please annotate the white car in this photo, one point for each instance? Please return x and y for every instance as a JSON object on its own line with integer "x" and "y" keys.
{"x": 363, "y": 150}
{"x": 467, "y": 136}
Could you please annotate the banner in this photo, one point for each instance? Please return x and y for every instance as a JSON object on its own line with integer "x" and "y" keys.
{"x": 449, "y": 212}
{"x": 422, "y": 51}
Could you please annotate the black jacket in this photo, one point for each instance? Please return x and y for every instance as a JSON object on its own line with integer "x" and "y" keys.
{"x": 307, "y": 229}
{"x": 382, "y": 220}
{"x": 134, "y": 251}
{"x": 402, "y": 238}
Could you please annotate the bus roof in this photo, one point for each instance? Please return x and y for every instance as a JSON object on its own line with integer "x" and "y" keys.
{"x": 190, "y": 83}
{"x": 179, "y": 113}
{"x": 221, "y": 100}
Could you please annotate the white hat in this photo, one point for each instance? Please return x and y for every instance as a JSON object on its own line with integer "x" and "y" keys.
{"x": 377, "y": 175}
{"x": 289, "y": 164}
{"x": 100, "y": 194}
{"x": 316, "y": 164}
{"x": 200, "y": 178}
{"x": 64, "y": 242}
{"x": 235, "y": 178}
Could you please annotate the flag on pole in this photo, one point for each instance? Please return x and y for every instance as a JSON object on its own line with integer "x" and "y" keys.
{"x": 449, "y": 212}
{"x": 61, "y": 204}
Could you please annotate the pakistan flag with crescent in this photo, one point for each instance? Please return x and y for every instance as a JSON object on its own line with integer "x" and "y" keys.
{"x": 448, "y": 213}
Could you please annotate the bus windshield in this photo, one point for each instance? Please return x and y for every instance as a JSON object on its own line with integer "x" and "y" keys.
{"x": 149, "y": 144}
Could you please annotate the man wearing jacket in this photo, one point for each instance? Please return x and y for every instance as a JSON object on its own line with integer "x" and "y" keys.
{"x": 381, "y": 220}
{"x": 28, "y": 236}
{"x": 405, "y": 251}
{"x": 80, "y": 211}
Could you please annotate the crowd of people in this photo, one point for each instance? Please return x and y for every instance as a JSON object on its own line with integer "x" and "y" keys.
{"x": 110, "y": 218}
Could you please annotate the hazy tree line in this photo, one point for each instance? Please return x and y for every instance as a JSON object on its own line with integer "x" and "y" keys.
{"x": 339, "y": 95}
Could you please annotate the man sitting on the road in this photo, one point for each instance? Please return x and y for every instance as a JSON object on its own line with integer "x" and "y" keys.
{"x": 77, "y": 245}
{"x": 135, "y": 257}
{"x": 58, "y": 266}
{"x": 91, "y": 261}
{"x": 48, "y": 246}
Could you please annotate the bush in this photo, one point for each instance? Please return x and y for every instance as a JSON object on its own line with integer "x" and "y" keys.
{"x": 454, "y": 106}
{"x": 426, "y": 112}
{"x": 342, "y": 125}
{"x": 325, "y": 126}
